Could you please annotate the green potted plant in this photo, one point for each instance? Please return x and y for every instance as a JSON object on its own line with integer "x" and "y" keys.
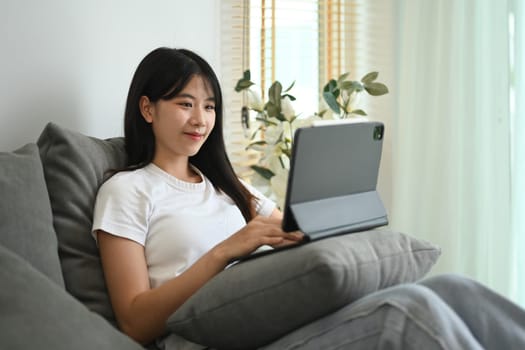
{"x": 340, "y": 95}
{"x": 277, "y": 121}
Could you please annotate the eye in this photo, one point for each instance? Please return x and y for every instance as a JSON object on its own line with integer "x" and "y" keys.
{"x": 185, "y": 104}
{"x": 210, "y": 107}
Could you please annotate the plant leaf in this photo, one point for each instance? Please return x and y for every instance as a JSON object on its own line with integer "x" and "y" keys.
{"x": 290, "y": 87}
{"x": 370, "y": 77}
{"x": 243, "y": 84}
{"x": 265, "y": 121}
{"x": 330, "y": 86}
{"x": 272, "y": 109}
{"x": 346, "y": 85}
{"x": 292, "y": 98}
{"x": 255, "y": 133}
{"x": 321, "y": 113}
{"x": 376, "y": 89}
{"x": 274, "y": 94}
{"x": 280, "y": 117}
{"x": 256, "y": 143}
{"x": 331, "y": 101}
{"x": 343, "y": 77}
{"x": 351, "y": 86}
{"x": 264, "y": 172}
{"x": 288, "y": 153}
{"x": 358, "y": 112}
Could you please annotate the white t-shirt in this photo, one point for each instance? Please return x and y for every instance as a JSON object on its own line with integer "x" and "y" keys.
{"x": 177, "y": 222}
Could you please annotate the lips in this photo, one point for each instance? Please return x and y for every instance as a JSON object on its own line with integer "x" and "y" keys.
{"x": 194, "y": 135}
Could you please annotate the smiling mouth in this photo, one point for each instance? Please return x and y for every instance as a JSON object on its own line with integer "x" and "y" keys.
{"x": 195, "y": 136}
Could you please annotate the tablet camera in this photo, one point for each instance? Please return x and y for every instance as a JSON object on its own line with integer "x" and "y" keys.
{"x": 378, "y": 132}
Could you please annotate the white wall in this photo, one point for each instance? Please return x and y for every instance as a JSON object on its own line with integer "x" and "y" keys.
{"x": 71, "y": 62}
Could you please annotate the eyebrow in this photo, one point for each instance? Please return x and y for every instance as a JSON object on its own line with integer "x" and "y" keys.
{"x": 211, "y": 98}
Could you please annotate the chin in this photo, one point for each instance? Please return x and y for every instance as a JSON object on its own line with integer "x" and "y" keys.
{"x": 194, "y": 152}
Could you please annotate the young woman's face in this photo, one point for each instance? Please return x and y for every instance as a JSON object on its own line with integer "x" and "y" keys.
{"x": 182, "y": 124}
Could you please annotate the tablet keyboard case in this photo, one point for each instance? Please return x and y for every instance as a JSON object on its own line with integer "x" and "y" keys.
{"x": 333, "y": 177}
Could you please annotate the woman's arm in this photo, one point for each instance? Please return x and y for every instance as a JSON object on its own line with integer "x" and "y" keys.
{"x": 276, "y": 214}
{"x": 142, "y": 312}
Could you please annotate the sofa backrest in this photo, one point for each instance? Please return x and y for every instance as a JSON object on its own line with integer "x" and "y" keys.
{"x": 26, "y": 222}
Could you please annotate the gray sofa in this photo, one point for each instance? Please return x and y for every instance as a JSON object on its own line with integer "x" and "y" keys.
{"x": 53, "y": 294}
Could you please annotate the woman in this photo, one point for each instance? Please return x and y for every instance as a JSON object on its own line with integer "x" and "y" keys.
{"x": 179, "y": 181}
{"x": 178, "y": 214}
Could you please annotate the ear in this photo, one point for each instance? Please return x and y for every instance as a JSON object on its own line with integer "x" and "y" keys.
{"x": 146, "y": 109}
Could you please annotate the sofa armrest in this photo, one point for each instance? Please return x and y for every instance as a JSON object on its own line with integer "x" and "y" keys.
{"x": 39, "y": 314}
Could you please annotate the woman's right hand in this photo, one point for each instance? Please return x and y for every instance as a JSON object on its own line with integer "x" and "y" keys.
{"x": 258, "y": 232}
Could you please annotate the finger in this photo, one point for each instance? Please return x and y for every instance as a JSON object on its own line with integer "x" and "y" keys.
{"x": 295, "y": 236}
{"x": 292, "y": 236}
{"x": 272, "y": 241}
{"x": 285, "y": 242}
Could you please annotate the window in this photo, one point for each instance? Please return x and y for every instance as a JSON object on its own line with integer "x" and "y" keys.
{"x": 284, "y": 46}
{"x": 303, "y": 41}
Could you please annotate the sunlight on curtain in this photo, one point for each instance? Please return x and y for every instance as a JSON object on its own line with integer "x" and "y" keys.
{"x": 372, "y": 48}
{"x": 451, "y": 153}
{"x": 517, "y": 30}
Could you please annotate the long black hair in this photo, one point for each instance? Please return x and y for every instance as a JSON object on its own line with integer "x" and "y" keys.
{"x": 163, "y": 74}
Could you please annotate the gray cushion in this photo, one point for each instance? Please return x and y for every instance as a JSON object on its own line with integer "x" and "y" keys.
{"x": 260, "y": 300}
{"x": 38, "y": 314}
{"x": 26, "y": 223}
{"x": 74, "y": 167}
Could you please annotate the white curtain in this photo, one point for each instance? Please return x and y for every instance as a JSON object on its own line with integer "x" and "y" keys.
{"x": 453, "y": 170}
{"x": 517, "y": 58}
{"x": 452, "y": 152}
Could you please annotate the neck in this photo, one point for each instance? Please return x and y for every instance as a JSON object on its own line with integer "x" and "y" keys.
{"x": 179, "y": 168}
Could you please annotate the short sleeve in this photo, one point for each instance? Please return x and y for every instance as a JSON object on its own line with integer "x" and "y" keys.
{"x": 264, "y": 206}
{"x": 122, "y": 209}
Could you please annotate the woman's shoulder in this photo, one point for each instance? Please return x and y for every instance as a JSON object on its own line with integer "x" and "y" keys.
{"x": 130, "y": 181}
{"x": 127, "y": 177}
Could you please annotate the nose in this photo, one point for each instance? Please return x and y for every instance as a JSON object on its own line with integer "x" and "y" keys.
{"x": 198, "y": 117}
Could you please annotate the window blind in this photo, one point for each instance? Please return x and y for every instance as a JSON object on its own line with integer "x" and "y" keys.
{"x": 234, "y": 61}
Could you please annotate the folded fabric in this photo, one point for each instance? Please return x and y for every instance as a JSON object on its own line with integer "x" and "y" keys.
{"x": 260, "y": 300}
